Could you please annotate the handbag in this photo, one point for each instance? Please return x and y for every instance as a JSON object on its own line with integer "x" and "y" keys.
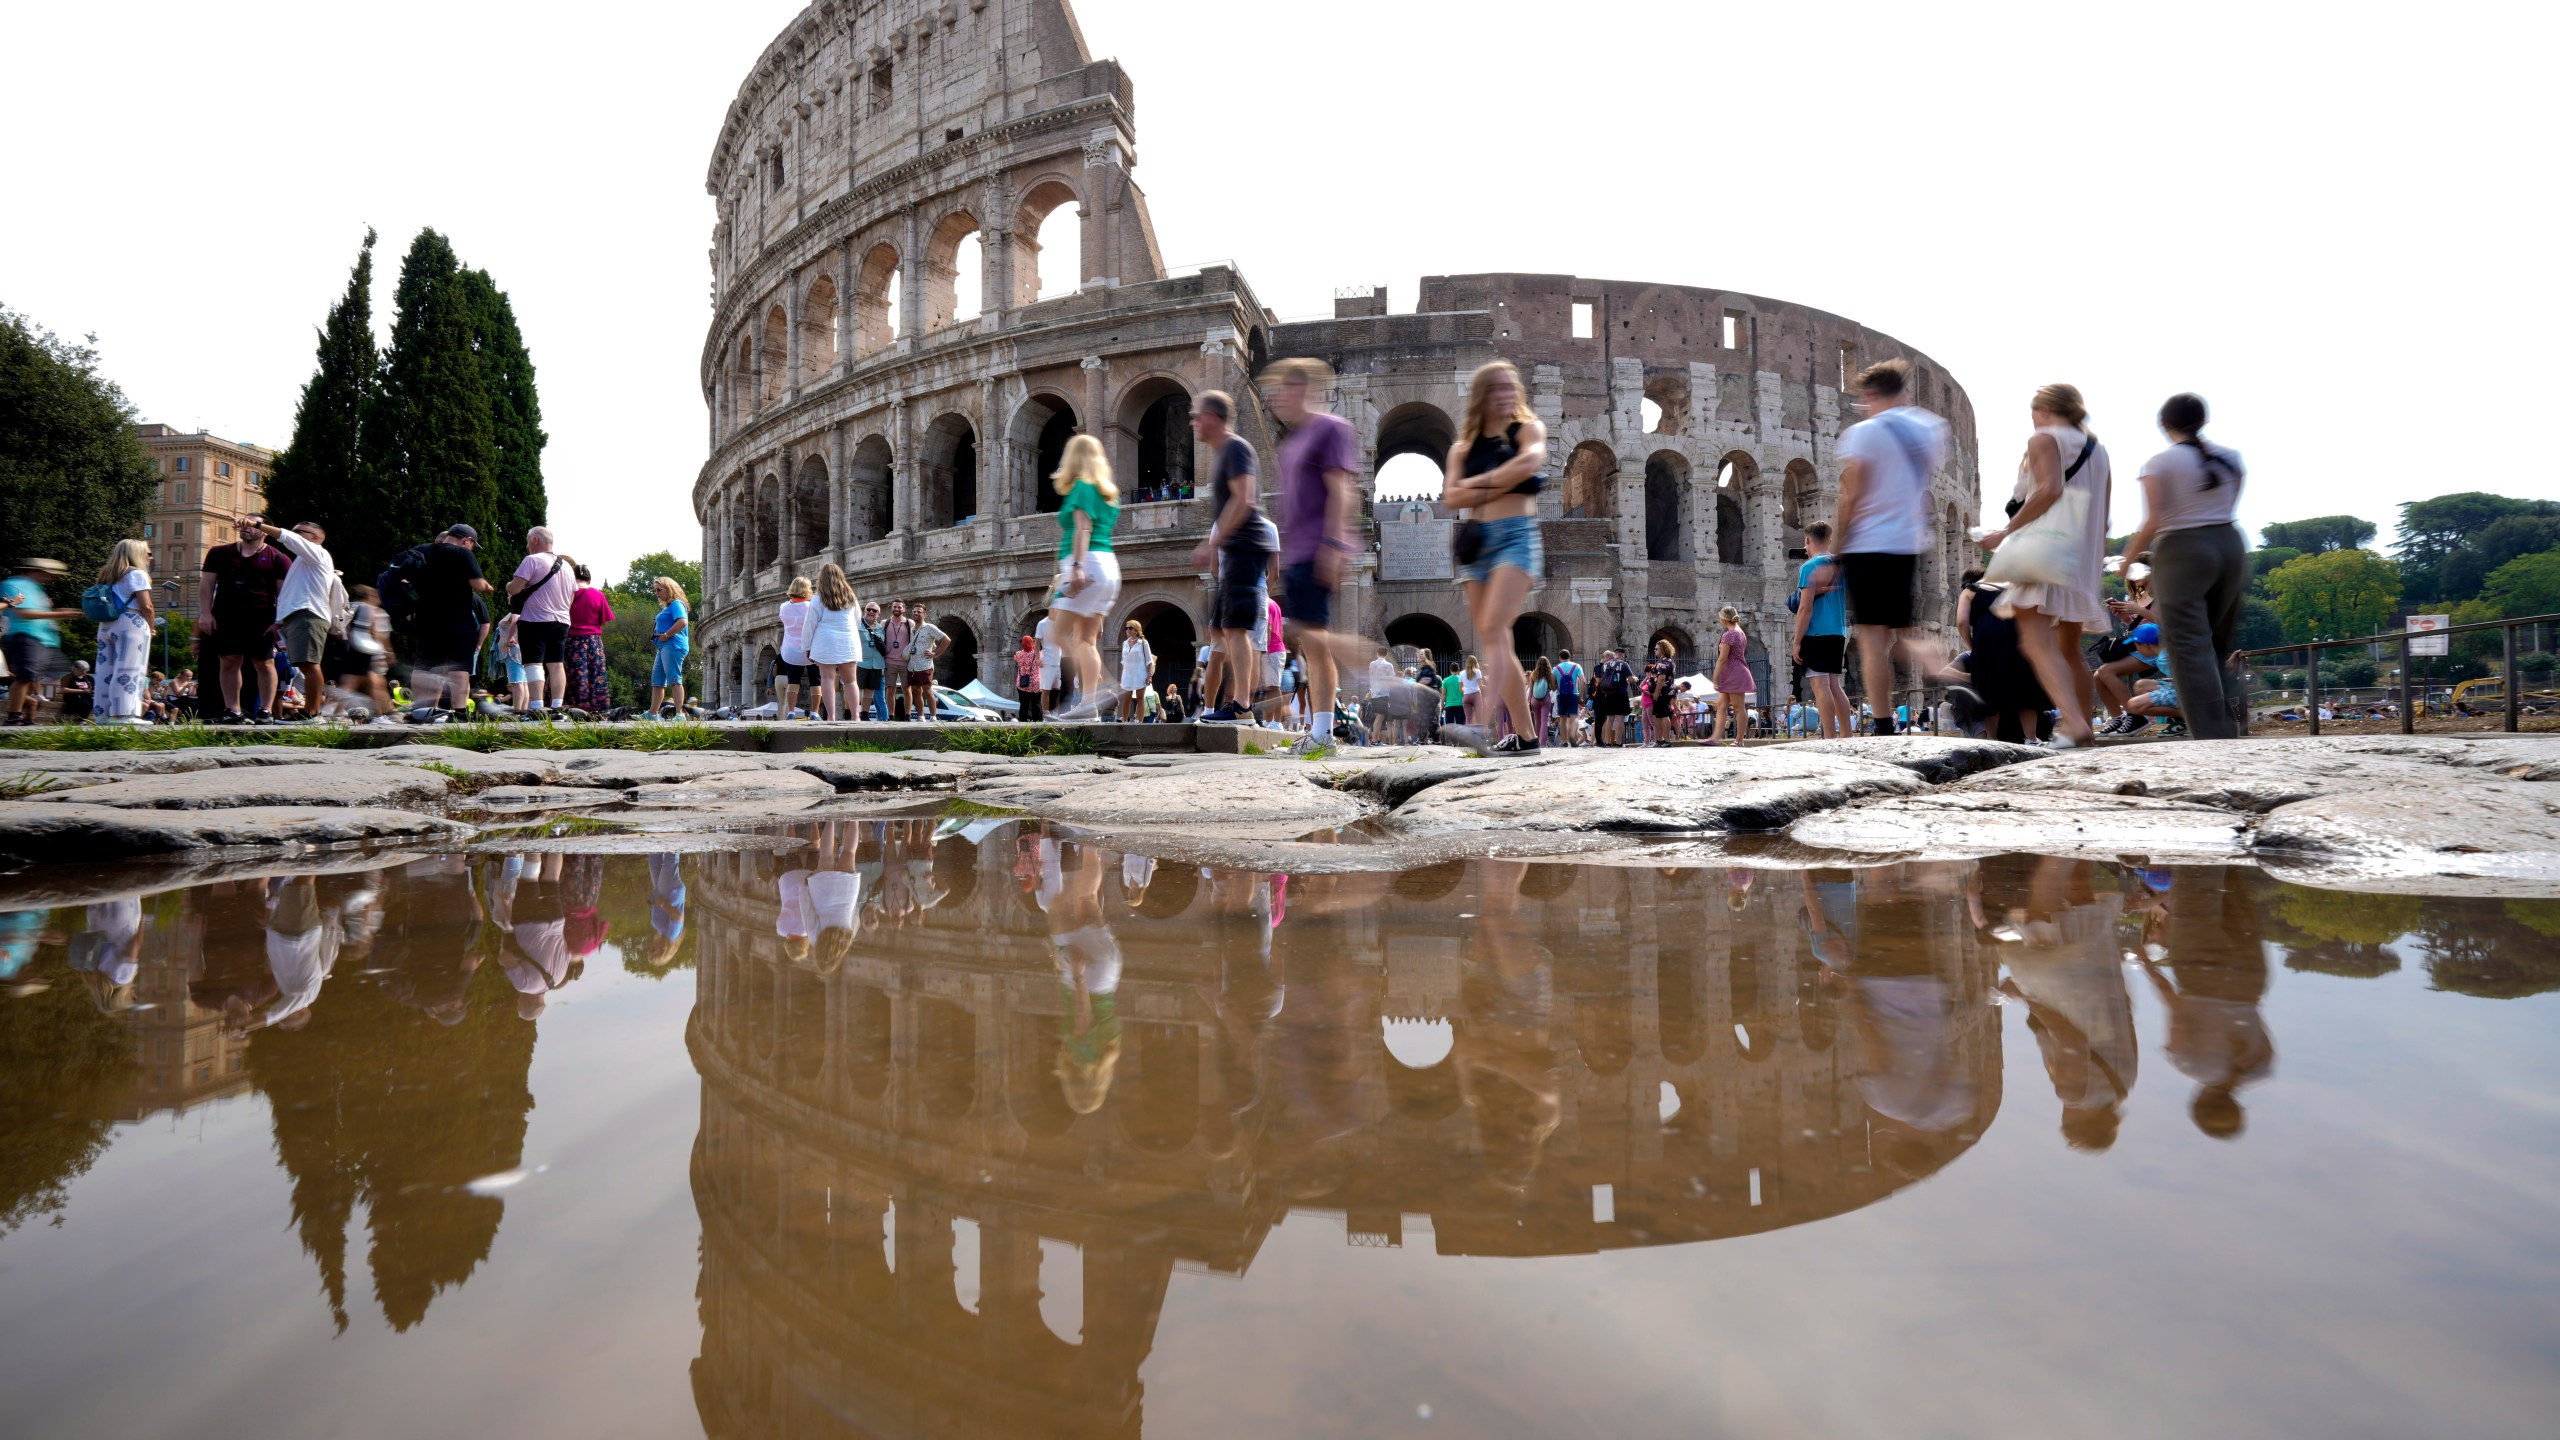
{"x": 2047, "y": 551}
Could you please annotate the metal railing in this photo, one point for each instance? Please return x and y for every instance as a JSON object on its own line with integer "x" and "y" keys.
{"x": 2310, "y": 651}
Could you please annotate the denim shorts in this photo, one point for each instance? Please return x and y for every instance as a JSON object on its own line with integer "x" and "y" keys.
{"x": 668, "y": 668}
{"x": 1512, "y": 541}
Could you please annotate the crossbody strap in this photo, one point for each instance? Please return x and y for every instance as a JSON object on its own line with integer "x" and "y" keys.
{"x": 2086, "y": 449}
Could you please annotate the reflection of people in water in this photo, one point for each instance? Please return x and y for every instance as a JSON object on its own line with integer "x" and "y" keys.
{"x": 2064, "y": 965}
{"x": 528, "y": 902}
{"x": 1507, "y": 1073}
{"x": 21, "y": 931}
{"x": 2216, "y": 974}
{"x": 1250, "y": 991}
{"x": 791, "y": 914}
{"x": 833, "y": 895}
{"x": 1088, "y": 960}
{"x": 108, "y": 953}
{"x": 666, "y": 907}
{"x": 1900, "y": 1009}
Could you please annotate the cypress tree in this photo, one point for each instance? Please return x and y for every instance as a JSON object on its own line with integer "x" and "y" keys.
{"x": 321, "y": 475}
{"x": 515, "y": 411}
{"x": 433, "y": 456}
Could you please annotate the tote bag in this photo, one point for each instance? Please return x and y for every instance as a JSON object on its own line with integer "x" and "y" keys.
{"x": 2047, "y": 551}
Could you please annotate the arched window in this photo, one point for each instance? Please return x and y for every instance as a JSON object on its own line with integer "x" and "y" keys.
{"x": 1591, "y": 482}
{"x": 1039, "y": 432}
{"x": 871, "y": 486}
{"x": 944, "y": 274}
{"x": 768, "y": 520}
{"x": 818, "y": 331}
{"x": 875, "y": 302}
{"x": 1667, "y": 502}
{"x": 1048, "y": 243}
{"x": 776, "y": 358}
{"x": 1158, "y": 413}
{"x": 950, "y": 473}
{"x": 809, "y": 509}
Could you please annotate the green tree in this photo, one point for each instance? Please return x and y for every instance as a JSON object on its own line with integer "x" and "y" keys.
{"x": 73, "y": 480}
{"x": 515, "y": 410}
{"x": 2325, "y": 532}
{"x": 2259, "y": 627}
{"x": 2432, "y": 530}
{"x": 433, "y": 457}
{"x": 2526, "y": 585}
{"x": 320, "y": 476}
{"x": 2263, "y": 562}
{"x": 2466, "y": 571}
{"x": 2336, "y": 594}
{"x": 646, "y": 569}
{"x": 66, "y": 1067}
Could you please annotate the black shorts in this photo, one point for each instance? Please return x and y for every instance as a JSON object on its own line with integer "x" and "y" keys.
{"x": 786, "y": 673}
{"x": 252, "y": 635}
{"x": 544, "y": 642}
{"x": 1303, "y": 598}
{"x": 1238, "y": 604}
{"x": 1879, "y": 584}
{"x": 448, "y": 643}
{"x": 1608, "y": 705}
{"x": 1825, "y": 654}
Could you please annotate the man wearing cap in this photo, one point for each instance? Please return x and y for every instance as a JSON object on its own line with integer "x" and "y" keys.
{"x": 449, "y": 620}
{"x": 29, "y": 640}
{"x": 2117, "y": 679}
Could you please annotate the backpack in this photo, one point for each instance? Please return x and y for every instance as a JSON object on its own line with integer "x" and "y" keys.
{"x": 398, "y": 584}
{"x": 102, "y": 603}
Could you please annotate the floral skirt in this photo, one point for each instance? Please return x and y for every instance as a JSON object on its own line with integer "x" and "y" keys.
{"x": 587, "y": 687}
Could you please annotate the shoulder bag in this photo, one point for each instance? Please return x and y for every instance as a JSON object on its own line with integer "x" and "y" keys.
{"x": 2047, "y": 551}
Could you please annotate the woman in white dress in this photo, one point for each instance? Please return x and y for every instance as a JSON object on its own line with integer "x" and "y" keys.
{"x": 1137, "y": 667}
{"x": 835, "y": 644}
{"x": 2063, "y": 481}
{"x": 124, "y": 643}
{"x": 795, "y": 671}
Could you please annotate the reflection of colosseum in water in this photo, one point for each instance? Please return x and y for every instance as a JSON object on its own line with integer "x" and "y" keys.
{"x": 877, "y": 150}
{"x": 875, "y": 1138}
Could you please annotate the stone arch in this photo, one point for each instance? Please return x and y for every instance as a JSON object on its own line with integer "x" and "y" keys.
{"x": 1669, "y": 506}
{"x": 1755, "y": 1013}
{"x": 1604, "y": 1030}
{"x": 1039, "y": 434}
{"x": 1155, "y": 411}
{"x": 868, "y": 1055}
{"x": 740, "y": 503}
{"x": 1170, "y": 631}
{"x": 940, "y": 272}
{"x": 1679, "y": 1004}
{"x": 768, "y": 521}
{"x": 957, "y": 665}
{"x": 1043, "y": 196}
{"x": 875, "y": 301}
{"x": 1684, "y": 651}
{"x": 775, "y": 357}
{"x": 809, "y": 492}
{"x": 1729, "y": 528}
{"x": 818, "y": 321}
{"x": 1537, "y": 633}
{"x": 1416, "y": 427}
{"x": 948, "y": 472}
{"x": 947, "y": 1072}
{"x": 1591, "y": 482}
{"x": 1424, "y": 631}
{"x": 1799, "y": 494}
{"x": 742, "y": 380}
{"x": 767, "y": 660}
{"x": 871, "y": 484}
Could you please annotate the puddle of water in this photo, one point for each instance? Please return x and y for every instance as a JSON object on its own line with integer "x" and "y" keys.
{"x": 933, "y": 1129}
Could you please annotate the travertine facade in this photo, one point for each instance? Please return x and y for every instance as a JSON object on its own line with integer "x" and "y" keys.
{"x": 858, "y": 416}
{"x": 206, "y": 482}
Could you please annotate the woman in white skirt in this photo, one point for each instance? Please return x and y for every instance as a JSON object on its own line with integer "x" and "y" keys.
{"x": 1088, "y": 573}
{"x": 1137, "y": 667}
{"x": 835, "y": 646}
{"x": 124, "y": 643}
{"x": 2065, "y": 467}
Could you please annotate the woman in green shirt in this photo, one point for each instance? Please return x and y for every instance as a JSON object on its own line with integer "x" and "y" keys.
{"x": 1088, "y": 573}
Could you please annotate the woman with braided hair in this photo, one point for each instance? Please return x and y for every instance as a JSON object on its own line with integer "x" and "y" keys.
{"x": 2199, "y": 563}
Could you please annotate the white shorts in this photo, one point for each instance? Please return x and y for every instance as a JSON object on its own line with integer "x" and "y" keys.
{"x": 1101, "y": 590}
{"x": 1273, "y": 663}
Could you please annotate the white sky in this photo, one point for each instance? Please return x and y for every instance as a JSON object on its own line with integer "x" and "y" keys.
{"x": 2331, "y": 222}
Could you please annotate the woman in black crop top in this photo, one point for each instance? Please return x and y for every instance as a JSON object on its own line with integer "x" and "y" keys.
{"x": 1494, "y": 475}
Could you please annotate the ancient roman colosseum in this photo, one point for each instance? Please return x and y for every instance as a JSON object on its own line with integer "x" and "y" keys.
{"x": 859, "y": 414}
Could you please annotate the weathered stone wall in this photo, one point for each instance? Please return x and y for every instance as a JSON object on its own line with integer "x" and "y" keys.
{"x": 856, "y": 418}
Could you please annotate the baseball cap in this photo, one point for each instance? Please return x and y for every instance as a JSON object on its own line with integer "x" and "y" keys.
{"x": 462, "y": 532}
{"x": 2146, "y": 634}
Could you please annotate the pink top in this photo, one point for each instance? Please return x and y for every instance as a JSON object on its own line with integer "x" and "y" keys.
{"x": 1272, "y": 643}
{"x": 589, "y": 612}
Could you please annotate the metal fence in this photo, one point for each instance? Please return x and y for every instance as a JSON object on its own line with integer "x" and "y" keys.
{"x": 2310, "y": 651}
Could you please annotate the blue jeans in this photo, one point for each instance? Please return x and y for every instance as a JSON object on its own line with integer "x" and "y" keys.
{"x": 1511, "y": 541}
{"x": 879, "y": 698}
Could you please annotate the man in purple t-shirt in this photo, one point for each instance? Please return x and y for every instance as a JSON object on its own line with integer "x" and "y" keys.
{"x": 1319, "y": 495}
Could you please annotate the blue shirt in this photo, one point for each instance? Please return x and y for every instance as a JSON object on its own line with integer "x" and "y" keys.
{"x": 31, "y": 596}
{"x": 1831, "y": 607}
{"x": 675, "y": 611}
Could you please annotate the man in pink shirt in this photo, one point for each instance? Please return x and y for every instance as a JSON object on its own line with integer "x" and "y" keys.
{"x": 540, "y": 592}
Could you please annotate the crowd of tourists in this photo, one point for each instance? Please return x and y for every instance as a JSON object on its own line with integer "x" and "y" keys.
{"x": 287, "y": 639}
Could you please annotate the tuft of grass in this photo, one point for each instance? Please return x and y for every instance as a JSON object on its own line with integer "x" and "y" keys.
{"x": 1014, "y": 740}
{"x": 26, "y": 783}
{"x": 1252, "y": 749}
{"x": 463, "y": 781}
{"x": 481, "y": 736}
{"x": 972, "y": 810}
{"x": 761, "y": 734}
